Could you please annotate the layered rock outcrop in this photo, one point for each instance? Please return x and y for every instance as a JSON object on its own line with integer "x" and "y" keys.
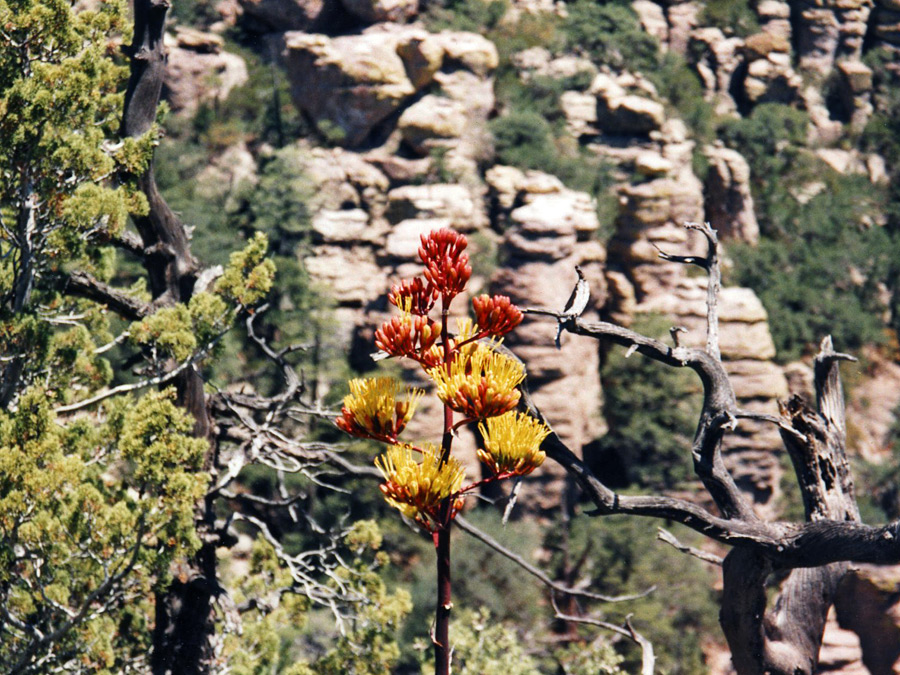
{"x": 199, "y": 70}
{"x": 353, "y": 86}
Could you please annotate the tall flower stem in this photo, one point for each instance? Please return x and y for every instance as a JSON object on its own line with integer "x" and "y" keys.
{"x": 441, "y": 636}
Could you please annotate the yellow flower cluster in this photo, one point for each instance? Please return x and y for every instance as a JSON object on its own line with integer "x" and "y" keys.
{"x": 373, "y": 409}
{"x": 512, "y": 443}
{"x": 480, "y": 384}
{"x": 417, "y": 488}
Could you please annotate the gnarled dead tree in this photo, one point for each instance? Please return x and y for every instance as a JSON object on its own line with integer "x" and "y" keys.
{"x": 782, "y": 636}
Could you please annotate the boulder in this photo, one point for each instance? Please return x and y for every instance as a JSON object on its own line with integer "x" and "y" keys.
{"x": 653, "y": 19}
{"x": 350, "y": 273}
{"x": 716, "y": 59}
{"x": 683, "y": 18}
{"x": 580, "y": 109}
{"x": 727, "y": 199}
{"x": 469, "y": 51}
{"x": 867, "y": 604}
{"x": 830, "y": 32}
{"x": 348, "y": 85}
{"x": 431, "y": 122}
{"x": 773, "y": 80}
{"x": 342, "y": 180}
{"x": 652, "y": 164}
{"x": 422, "y": 54}
{"x": 622, "y": 110}
{"x": 198, "y": 71}
{"x": 342, "y": 226}
{"x": 629, "y": 115}
{"x": 454, "y": 203}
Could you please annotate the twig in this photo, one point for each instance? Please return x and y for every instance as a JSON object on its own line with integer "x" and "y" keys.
{"x": 666, "y": 536}
{"x": 485, "y": 538}
{"x": 648, "y": 659}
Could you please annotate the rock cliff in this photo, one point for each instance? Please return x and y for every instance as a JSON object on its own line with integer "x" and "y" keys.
{"x": 401, "y": 114}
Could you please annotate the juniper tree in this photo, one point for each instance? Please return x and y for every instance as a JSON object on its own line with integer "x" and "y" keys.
{"x": 115, "y": 455}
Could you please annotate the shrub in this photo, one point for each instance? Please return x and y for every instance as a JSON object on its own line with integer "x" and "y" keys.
{"x": 610, "y": 33}
{"x": 733, "y": 17}
{"x": 651, "y": 412}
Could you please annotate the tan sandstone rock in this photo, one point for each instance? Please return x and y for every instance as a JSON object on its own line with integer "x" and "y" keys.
{"x": 198, "y": 70}
{"x": 348, "y": 84}
{"x": 727, "y": 198}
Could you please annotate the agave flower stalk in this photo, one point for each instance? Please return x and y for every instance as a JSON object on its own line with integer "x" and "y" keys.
{"x": 426, "y": 483}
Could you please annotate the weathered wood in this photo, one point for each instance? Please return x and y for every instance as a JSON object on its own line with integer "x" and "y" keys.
{"x": 783, "y": 639}
{"x": 184, "y": 637}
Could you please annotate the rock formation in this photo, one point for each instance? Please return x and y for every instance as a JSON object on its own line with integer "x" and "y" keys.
{"x": 199, "y": 70}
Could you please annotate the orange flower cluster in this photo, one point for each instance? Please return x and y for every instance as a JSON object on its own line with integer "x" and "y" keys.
{"x": 407, "y": 335}
{"x": 415, "y": 296}
{"x": 372, "y": 410}
{"x": 481, "y": 384}
{"x": 472, "y": 378}
{"x": 446, "y": 265}
{"x": 418, "y": 488}
{"x": 496, "y": 315}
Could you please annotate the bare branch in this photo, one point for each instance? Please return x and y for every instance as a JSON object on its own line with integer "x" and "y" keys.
{"x": 648, "y": 659}
{"x": 486, "y": 539}
{"x": 664, "y": 535}
{"x": 84, "y": 285}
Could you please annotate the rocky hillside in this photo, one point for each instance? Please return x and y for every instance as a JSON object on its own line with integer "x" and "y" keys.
{"x": 553, "y": 148}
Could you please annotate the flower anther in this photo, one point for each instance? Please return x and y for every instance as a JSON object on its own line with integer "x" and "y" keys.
{"x": 417, "y": 484}
{"x": 373, "y": 408}
{"x": 512, "y": 444}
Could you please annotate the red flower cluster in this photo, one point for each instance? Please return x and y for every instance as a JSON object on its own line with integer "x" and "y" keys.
{"x": 413, "y": 295}
{"x": 496, "y": 315}
{"x": 407, "y": 335}
{"x": 446, "y": 264}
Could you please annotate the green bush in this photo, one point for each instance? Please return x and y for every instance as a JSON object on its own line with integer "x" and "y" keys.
{"x": 800, "y": 267}
{"x": 817, "y": 271}
{"x": 523, "y": 139}
{"x": 475, "y": 16}
{"x": 610, "y": 33}
{"x": 624, "y": 557}
{"x": 652, "y": 412}
{"x": 733, "y": 17}
{"x": 679, "y": 84}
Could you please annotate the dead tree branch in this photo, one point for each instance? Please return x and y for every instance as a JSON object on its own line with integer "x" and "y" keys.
{"x": 784, "y": 638}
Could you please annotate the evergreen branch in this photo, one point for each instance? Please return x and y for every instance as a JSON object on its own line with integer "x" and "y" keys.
{"x": 149, "y": 382}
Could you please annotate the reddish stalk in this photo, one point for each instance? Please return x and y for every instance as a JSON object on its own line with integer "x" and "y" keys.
{"x": 441, "y": 637}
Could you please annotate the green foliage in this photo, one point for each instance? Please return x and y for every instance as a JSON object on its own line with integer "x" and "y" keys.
{"x": 368, "y": 647}
{"x": 808, "y": 234}
{"x": 523, "y": 139}
{"x": 60, "y": 101}
{"x": 652, "y": 413}
{"x": 468, "y": 15}
{"x": 249, "y": 275}
{"x": 610, "y": 33}
{"x": 733, "y": 17}
{"x": 484, "y": 645}
{"x": 80, "y": 550}
{"x": 625, "y": 558}
{"x": 679, "y": 85}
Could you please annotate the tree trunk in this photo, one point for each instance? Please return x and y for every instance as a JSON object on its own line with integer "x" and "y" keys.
{"x": 184, "y": 638}
{"x": 786, "y": 638}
